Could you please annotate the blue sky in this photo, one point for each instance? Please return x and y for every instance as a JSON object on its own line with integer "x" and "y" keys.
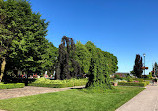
{"x": 122, "y": 27}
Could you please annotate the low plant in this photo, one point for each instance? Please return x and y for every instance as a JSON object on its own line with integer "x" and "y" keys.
{"x": 149, "y": 76}
{"x": 48, "y": 85}
{"x": 141, "y": 84}
{"x": 139, "y": 79}
{"x": 11, "y": 85}
{"x": 117, "y": 76}
{"x": 129, "y": 79}
{"x": 43, "y": 82}
{"x": 147, "y": 82}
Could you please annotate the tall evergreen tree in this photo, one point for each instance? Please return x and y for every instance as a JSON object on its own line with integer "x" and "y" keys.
{"x": 67, "y": 66}
{"x": 138, "y": 66}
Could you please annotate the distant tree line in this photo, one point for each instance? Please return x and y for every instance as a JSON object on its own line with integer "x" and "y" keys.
{"x": 23, "y": 46}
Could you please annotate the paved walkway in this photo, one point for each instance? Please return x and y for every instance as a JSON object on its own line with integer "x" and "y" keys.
{"x": 29, "y": 90}
{"x": 147, "y": 100}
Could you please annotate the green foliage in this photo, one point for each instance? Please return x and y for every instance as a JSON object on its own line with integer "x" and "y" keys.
{"x": 23, "y": 43}
{"x": 98, "y": 74}
{"x": 5, "y": 34}
{"x": 150, "y": 75}
{"x": 43, "y": 82}
{"x": 139, "y": 79}
{"x": 48, "y": 85}
{"x": 141, "y": 84}
{"x": 138, "y": 66}
{"x": 111, "y": 62}
{"x": 25, "y": 31}
{"x": 83, "y": 56}
{"x": 67, "y": 66}
{"x": 147, "y": 82}
{"x": 132, "y": 72}
{"x": 117, "y": 76}
{"x": 155, "y": 69}
{"x": 11, "y": 85}
{"x": 129, "y": 79}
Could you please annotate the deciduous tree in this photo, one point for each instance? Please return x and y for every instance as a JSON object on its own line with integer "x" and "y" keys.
{"x": 26, "y": 48}
{"x": 83, "y": 56}
{"x": 97, "y": 76}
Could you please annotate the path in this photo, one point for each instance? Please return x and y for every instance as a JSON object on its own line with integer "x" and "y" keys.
{"x": 29, "y": 90}
{"x": 147, "y": 100}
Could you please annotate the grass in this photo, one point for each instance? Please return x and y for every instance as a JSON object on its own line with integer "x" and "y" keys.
{"x": 72, "y": 100}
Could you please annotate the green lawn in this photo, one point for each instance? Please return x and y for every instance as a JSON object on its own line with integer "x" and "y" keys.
{"x": 72, "y": 100}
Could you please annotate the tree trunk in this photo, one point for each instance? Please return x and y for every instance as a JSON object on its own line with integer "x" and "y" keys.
{"x": 2, "y": 68}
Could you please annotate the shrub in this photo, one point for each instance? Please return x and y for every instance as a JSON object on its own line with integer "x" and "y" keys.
{"x": 139, "y": 79}
{"x": 43, "y": 82}
{"x": 117, "y": 76}
{"x": 142, "y": 84}
{"x": 150, "y": 75}
{"x": 147, "y": 82}
{"x": 47, "y": 85}
{"x": 129, "y": 79}
{"x": 11, "y": 85}
{"x": 148, "y": 78}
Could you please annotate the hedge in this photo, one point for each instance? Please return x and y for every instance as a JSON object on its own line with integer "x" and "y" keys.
{"x": 141, "y": 84}
{"x": 11, "y": 85}
{"x": 47, "y": 85}
{"x": 54, "y": 85}
{"x": 43, "y": 82}
{"x": 76, "y": 84}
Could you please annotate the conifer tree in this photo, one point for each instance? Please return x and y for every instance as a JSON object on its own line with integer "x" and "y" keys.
{"x": 67, "y": 66}
{"x": 138, "y": 66}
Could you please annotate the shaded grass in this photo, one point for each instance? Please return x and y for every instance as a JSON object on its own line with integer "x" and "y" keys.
{"x": 72, "y": 100}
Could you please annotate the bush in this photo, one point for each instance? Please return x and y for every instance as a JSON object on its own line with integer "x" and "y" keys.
{"x": 11, "y": 85}
{"x": 129, "y": 79}
{"x": 150, "y": 75}
{"x": 47, "y": 85}
{"x": 43, "y": 82}
{"x": 139, "y": 79}
{"x": 147, "y": 82}
{"x": 117, "y": 76}
{"x": 141, "y": 84}
{"x": 148, "y": 78}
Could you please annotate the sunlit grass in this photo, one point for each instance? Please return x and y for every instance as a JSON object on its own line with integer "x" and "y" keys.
{"x": 72, "y": 100}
